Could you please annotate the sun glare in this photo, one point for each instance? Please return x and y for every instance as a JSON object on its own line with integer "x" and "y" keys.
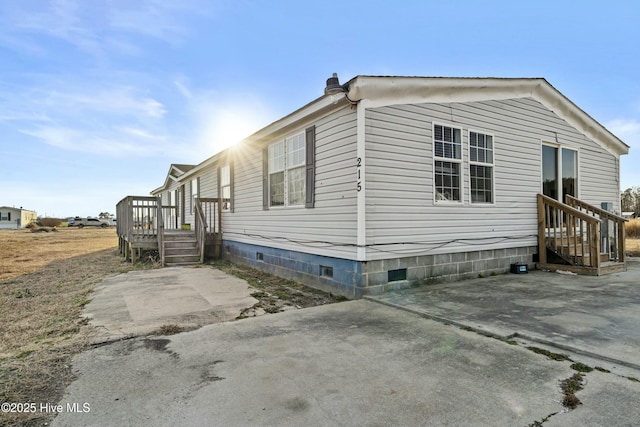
{"x": 228, "y": 128}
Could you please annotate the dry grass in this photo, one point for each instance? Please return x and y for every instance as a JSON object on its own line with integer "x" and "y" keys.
{"x": 632, "y": 247}
{"x": 25, "y": 252}
{"x": 632, "y": 228}
{"x": 45, "y": 281}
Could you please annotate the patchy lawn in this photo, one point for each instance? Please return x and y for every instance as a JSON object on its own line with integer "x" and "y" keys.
{"x": 46, "y": 279}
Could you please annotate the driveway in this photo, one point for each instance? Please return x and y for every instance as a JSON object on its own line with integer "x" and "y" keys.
{"x": 356, "y": 363}
{"x": 594, "y": 317}
{"x": 366, "y": 363}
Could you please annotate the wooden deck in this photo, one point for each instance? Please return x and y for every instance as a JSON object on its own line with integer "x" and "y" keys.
{"x": 143, "y": 221}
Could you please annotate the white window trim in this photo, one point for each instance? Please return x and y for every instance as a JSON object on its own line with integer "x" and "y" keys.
{"x": 492, "y": 165}
{"x": 285, "y": 171}
{"x": 445, "y": 159}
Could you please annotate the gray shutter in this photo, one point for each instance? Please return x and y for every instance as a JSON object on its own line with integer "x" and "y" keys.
{"x": 265, "y": 179}
{"x": 310, "y": 196}
{"x": 232, "y": 199}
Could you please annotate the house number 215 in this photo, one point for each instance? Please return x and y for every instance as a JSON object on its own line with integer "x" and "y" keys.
{"x": 358, "y": 169}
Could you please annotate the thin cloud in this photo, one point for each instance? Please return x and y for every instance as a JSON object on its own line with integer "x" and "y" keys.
{"x": 113, "y": 122}
{"x": 181, "y": 84}
{"x": 110, "y": 143}
{"x": 98, "y": 28}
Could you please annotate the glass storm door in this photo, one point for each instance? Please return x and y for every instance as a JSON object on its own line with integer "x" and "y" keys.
{"x": 559, "y": 172}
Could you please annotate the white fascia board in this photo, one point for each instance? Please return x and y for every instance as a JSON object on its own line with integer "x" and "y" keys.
{"x": 384, "y": 91}
{"x": 554, "y": 100}
{"x": 299, "y": 118}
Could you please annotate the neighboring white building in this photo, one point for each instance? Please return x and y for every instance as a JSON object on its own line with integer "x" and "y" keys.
{"x": 16, "y": 217}
{"x": 403, "y": 180}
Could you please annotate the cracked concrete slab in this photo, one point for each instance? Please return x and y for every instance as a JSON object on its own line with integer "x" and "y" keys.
{"x": 140, "y": 302}
{"x": 345, "y": 364}
{"x": 594, "y": 317}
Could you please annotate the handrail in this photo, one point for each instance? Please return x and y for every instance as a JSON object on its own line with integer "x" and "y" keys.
{"x": 573, "y": 202}
{"x": 569, "y": 209}
{"x": 201, "y": 228}
{"x": 562, "y": 229}
{"x": 613, "y": 238}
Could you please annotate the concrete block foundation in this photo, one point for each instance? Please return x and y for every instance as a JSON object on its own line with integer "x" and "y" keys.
{"x": 353, "y": 279}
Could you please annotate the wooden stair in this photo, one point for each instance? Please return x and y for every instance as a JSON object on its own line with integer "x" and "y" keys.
{"x": 579, "y": 238}
{"x": 180, "y": 248}
{"x": 574, "y": 250}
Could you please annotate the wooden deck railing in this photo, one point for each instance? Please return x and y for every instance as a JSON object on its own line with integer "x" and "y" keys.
{"x": 143, "y": 222}
{"x": 612, "y": 228}
{"x": 137, "y": 225}
{"x": 201, "y": 228}
{"x": 570, "y": 233}
{"x": 137, "y": 217}
{"x": 208, "y": 219}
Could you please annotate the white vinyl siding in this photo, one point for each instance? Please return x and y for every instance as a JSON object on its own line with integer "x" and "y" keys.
{"x": 402, "y": 217}
{"x": 330, "y": 227}
{"x": 209, "y": 182}
{"x": 194, "y": 194}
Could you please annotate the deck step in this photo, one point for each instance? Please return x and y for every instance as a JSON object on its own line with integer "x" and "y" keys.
{"x": 180, "y": 248}
{"x": 605, "y": 268}
{"x": 182, "y": 245}
{"x": 181, "y": 259}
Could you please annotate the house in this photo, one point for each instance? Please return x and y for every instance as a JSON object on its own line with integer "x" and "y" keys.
{"x": 16, "y": 217}
{"x": 629, "y": 215}
{"x": 387, "y": 182}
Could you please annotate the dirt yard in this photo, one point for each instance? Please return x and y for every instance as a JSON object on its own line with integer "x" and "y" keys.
{"x": 45, "y": 281}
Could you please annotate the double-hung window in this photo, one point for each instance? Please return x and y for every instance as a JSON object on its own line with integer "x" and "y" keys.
{"x": 447, "y": 146}
{"x": 286, "y": 162}
{"x": 481, "y": 167}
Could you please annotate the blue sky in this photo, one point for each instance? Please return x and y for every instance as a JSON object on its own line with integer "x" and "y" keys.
{"x": 98, "y": 98}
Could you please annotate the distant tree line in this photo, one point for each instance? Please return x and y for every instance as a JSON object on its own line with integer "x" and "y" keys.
{"x": 630, "y": 200}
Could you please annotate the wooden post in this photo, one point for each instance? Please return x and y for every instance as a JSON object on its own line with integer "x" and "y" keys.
{"x": 542, "y": 246}
{"x": 621, "y": 245}
{"x": 595, "y": 246}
